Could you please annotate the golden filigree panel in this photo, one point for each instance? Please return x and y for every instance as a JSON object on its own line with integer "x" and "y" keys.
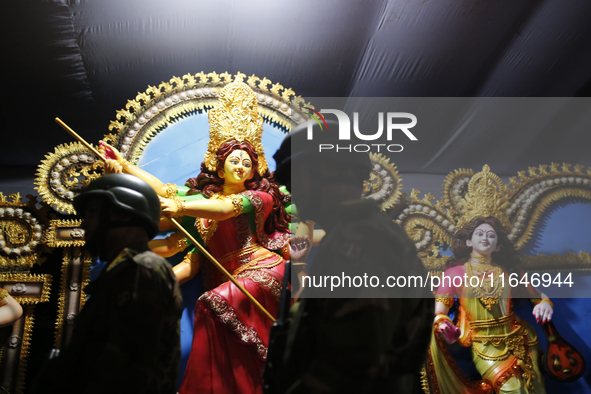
{"x": 384, "y": 184}
{"x": 64, "y": 172}
{"x": 64, "y": 233}
{"x": 26, "y": 288}
{"x": 21, "y": 233}
{"x": 75, "y": 276}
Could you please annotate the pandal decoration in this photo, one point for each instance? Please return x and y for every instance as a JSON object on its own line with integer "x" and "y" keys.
{"x": 63, "y": 172}
{"x": 21, "y": 232}
{"x": 28, "y": 232}
{"x": 22, "y": 245}
{"x": 518, "y": 204}
{"x": 429, "y": 223}
{"x": 384, "y": 185}
{"x": 468, "y": 196}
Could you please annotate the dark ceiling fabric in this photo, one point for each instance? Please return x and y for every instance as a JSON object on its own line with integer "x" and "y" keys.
{"x": 43, "y": 76}
{"x": 81, "y": 60}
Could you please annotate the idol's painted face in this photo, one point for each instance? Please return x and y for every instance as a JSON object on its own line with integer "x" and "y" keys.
{"x": 484, "y": 240}
{"x": 237, "y": 168}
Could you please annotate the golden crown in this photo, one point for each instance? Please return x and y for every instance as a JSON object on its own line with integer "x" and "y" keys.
{"x": 235, "y": 118}
{"x": 485, "y": 197}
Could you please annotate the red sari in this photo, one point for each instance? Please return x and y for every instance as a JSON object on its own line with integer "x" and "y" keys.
{"x": 230, "y": 333}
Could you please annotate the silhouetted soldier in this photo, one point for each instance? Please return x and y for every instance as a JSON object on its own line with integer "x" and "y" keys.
{"x": 127, "y": 336}
{"x": 360, "y": 340}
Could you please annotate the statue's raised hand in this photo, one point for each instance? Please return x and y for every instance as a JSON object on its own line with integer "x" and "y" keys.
{"x": 114, "y": 158}
{"x": 449, "y": 331}
{"x": 300, "y": 247}
{"x": 169, "y": 207}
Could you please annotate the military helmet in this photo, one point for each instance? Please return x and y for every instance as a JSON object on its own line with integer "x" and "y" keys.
{"x": 128, "y": 193}
{"x": 296, "y": 149}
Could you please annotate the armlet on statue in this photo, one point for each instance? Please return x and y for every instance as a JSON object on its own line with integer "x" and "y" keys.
{"x": 241, "y": 204}
{"x": 179, "y": 239}
{"x": 171, "y": 190}
{"x": 536, "y": 301}
{"x": 237, "y": 200}
{"x": 193, "y": 257}
{"x": 439, "y": 318}
{"x": 445, "y": 299}
{"x": 238, "y": 203}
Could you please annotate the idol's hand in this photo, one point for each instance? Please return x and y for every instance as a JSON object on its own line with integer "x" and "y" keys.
{"x": 169, "y": 207}
{"x": 109, "y": 152}
{"x": 300, "y": 247}
{"x": 543, "y": 312}
{"x": 113, "y": 164}
{"x": 449, "y": 332}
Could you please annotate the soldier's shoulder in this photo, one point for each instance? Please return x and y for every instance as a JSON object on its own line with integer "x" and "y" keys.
{"x": 150, "y": 260}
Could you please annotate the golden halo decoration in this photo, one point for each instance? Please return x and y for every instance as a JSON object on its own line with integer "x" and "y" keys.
{"x": 537, "y": 189}
{"x": 64, "y": 172}
{"x": 455, "y": 187}
{"x": 384, "y": 185}
{"x": 154, "y": 110}
{"x": 150, "y": 113}
{"x": 22, "y": 230}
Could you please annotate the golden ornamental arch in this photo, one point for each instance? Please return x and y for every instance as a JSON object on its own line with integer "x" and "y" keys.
{"x": 519, "y": 205}
{"x": 71, "y": 166}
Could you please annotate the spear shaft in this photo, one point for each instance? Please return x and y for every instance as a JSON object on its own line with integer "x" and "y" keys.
{"x": 182, "y": 230}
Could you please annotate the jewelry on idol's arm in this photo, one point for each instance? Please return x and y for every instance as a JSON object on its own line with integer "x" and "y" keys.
{"x": 180, "y": 204}
{"x": 445, "y": 299}
{"x": 179, "y": 240}
{"x": 3, "y": 295}
{"x": 171, "y": 190}
{"x": 124, "y": 165}
{"x": 441, "y": 316}
{"x": 237, "y": 203}
{"x": 185, "y": 232}
{"x": 545, "y": 300}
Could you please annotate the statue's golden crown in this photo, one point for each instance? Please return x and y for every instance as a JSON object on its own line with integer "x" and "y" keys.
{"x": 485, "y": 197}
{"x": 235, "y": 118}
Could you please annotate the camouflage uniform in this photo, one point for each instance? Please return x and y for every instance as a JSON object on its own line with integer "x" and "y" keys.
{"x": 359, "y": 345}
{"x": 127, "y": 336}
